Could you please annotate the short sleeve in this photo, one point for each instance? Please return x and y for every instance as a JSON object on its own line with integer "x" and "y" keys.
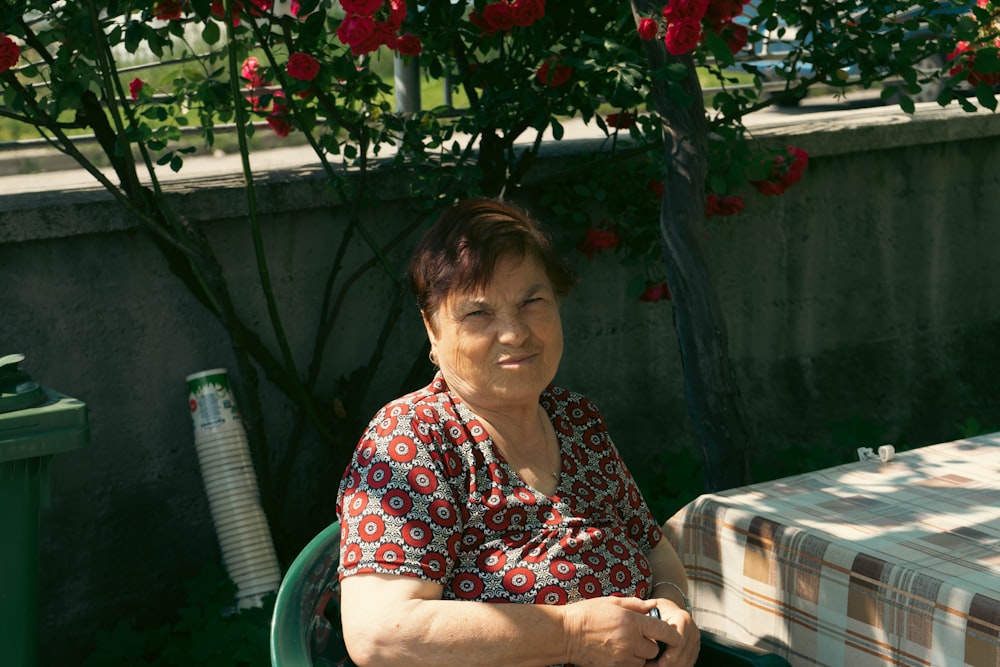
{"x": 397, "y": 511}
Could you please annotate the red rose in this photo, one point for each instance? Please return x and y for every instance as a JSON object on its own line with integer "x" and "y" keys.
{"x": 622, "y": 121}
{"x": 261, "y": 7}
{"x": 219, "y": 11}
{"x": 527, "y": 12}
{"x": 366, "y": 7}
{"x": 648, "y": 29}
{"x": 476, "y": 19}
{"x": 281, "y": 126}
{"x": 278, "y": 118}
{"x": 655, "y": 292}
{"x": 680, "y": 10}
{"x": 657, "y": 188}
{"x": 596, "y": 240}
{"x": 716, "y": 205}
{"x": 735, "y": 35}
{"x": 9, "y": 53}
{"x": 168, "y": 10}
{"x": 355, "y": 30}
{"x": 720, "y": 11}
{"x": 135, "y": 87}
{"x": 552, "y": 74}
{"x": 302, "y": 66}
{"x": 249, "y": 72}
{"x": 964, "y": 57}
{"x": 409, "y": 45}
{"x": 255, "y": 81}
{"x": 682, "y": 36}
{"x": 397, "y": 13}
{"x": 385, "y": 35}
{"x": 498, "y": 17}
{"x": 786, "y": 171}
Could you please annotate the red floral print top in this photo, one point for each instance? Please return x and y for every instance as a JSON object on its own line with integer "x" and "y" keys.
{"x": 428, "y": 495}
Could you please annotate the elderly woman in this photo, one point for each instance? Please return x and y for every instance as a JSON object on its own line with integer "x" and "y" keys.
{"x": 488, "y": 519}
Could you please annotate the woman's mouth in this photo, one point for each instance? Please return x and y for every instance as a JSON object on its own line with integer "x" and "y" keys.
{"x": 515, "y": 361}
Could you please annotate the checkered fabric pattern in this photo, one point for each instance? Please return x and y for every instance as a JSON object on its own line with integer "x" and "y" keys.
{"x": 864, "y": 564}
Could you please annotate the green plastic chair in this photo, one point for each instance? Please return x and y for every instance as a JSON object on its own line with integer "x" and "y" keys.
{"x": 303, "y": 635}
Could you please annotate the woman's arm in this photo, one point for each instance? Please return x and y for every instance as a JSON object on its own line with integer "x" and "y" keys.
{"x": 401, "y": 620}
{"x": 668, "y": 569}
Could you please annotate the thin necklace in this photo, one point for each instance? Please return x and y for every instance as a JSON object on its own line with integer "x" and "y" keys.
{"x": 545, "y": 434}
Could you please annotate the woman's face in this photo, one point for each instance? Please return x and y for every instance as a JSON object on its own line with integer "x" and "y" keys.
{"x": 502, "y": 345}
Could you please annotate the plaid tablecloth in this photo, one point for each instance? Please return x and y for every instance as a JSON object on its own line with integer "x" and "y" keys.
{"x": 867, "y": 563}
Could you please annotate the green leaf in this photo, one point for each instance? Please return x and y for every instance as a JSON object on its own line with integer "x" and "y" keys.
{"x": 153, "y": 40}
{"x": 636, "y": 286}
{"x": 307, "y": 7}
{"x": 678, "y": 95}
{"x": 133, "y": 35}
{"x": 211, "y": 33}
{"x": 906, "y": 103}
{"x": 13, "y": 99}
{"x": 672, "y": 72}
{"x": 987, "y": 61}
{"x": 985, "y": 95}
{"x": 719, "y": 48}
{"x": 557, "y": 130}
{"x": 313, "y": 28}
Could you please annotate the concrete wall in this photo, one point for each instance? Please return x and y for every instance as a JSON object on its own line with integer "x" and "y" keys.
{"x": 862, "y": 308}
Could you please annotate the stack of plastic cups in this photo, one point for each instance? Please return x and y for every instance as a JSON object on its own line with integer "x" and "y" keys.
{"x": 233, "y": 495}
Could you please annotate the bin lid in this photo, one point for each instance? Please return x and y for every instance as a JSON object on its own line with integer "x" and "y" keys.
{"x": 59, "y": 424}
{"x": 17, "y": 389}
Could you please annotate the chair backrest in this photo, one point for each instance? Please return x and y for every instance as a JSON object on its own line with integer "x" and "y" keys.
{"x": 302, "y": 634}
{"x": 305, "y": 628}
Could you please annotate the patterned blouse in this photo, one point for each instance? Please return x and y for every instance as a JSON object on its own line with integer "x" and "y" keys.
{"x": 428, "y": 495}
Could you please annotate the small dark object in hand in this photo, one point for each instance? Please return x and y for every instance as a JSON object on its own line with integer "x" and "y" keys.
{"x": 655, "y": 613}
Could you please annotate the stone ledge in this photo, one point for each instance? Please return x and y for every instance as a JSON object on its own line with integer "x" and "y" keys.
{"x": 881, "y": 128}
{"x": 70, "y": 203}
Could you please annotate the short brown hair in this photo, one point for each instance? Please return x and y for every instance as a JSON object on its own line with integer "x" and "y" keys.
{"x": 463, "y": 247}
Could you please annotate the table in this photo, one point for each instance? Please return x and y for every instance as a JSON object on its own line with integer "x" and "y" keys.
{"x": 868, "y": 563}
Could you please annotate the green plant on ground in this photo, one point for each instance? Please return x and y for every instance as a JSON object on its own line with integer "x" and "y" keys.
{"x": 204, "y": 631}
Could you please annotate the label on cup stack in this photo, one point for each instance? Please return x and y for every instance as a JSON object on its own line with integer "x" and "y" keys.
{"x": 211, "y": 401}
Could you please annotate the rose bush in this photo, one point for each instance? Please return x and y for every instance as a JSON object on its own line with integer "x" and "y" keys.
{"x": 9, "y": 53}
{"x": 977, "y": 60}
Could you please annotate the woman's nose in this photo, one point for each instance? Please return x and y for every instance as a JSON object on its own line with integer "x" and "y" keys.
{"x": 513, "y": 331}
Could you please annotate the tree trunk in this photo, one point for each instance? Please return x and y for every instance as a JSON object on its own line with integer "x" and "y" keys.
{"x": 710, "y": 389}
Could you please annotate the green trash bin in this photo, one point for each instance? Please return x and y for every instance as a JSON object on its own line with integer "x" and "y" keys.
{"x": 35, "y": 424}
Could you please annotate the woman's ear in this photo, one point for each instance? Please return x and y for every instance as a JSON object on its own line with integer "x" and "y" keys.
{"x": 431, "y": 336}
{"x": 430, "y": 326}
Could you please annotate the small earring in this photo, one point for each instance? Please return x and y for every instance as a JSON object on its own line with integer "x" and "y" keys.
{"x": 432, "y": 357}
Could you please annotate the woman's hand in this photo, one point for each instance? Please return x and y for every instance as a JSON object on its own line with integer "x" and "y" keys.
{"x": 615, "y": 631}
{"x": 683, "y": 651}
